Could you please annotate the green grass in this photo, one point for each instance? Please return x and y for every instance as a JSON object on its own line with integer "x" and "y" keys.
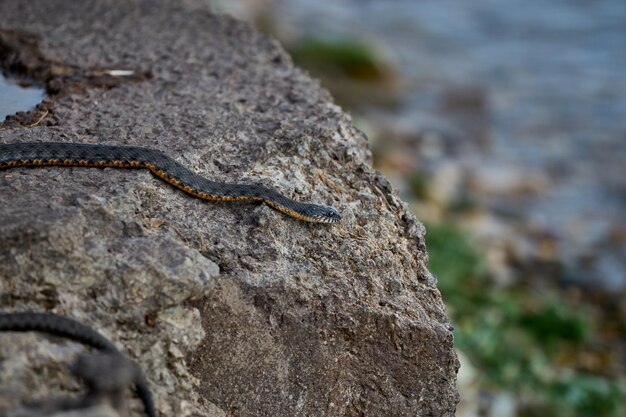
{"x": 517, "y": 338}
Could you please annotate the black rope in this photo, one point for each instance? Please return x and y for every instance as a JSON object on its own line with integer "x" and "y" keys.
{"x": 71, "y": 329}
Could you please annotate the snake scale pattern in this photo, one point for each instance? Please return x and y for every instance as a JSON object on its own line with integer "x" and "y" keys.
{"x": 163, "y": 166}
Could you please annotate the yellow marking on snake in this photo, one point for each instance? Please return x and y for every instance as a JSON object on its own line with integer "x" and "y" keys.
{"x": 34, "y": 154}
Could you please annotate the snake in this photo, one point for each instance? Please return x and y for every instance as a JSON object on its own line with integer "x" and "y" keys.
{"x": 33, "y": 154}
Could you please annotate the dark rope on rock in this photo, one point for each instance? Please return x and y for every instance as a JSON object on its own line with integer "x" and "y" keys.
{"x": 71, "y": 329}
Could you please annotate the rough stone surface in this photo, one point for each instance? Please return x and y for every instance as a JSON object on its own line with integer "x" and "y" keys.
{"x": 230, "y": 309}
{"x": 97, "y": 411}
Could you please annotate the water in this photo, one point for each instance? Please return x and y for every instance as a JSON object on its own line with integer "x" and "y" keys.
{"x": 14, "y": 98}
{"x": 553, "y": 77}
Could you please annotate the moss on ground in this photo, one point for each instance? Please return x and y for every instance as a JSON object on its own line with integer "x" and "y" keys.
{"x": 521, "y": 340}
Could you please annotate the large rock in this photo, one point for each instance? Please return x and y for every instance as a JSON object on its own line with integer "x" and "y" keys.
{"x": 231, "y": 309}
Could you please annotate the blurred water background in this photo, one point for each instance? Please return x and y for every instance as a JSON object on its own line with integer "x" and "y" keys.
{"x": 503, "y": 124}
{"x": 15, "y": 97}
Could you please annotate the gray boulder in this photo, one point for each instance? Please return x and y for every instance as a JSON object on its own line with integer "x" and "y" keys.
{"x": 229, "y": 308}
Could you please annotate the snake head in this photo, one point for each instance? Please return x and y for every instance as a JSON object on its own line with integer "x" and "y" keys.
{"x": 322, "y": 214}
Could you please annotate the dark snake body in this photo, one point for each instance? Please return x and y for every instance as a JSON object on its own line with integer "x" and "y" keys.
{"x": 161, "y": 165}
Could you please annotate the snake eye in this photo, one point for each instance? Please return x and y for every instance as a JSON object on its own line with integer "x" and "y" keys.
{"x": 328, "y": 215}
{"x": 322, "y": 214}
{"x": 333, "y": 215}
